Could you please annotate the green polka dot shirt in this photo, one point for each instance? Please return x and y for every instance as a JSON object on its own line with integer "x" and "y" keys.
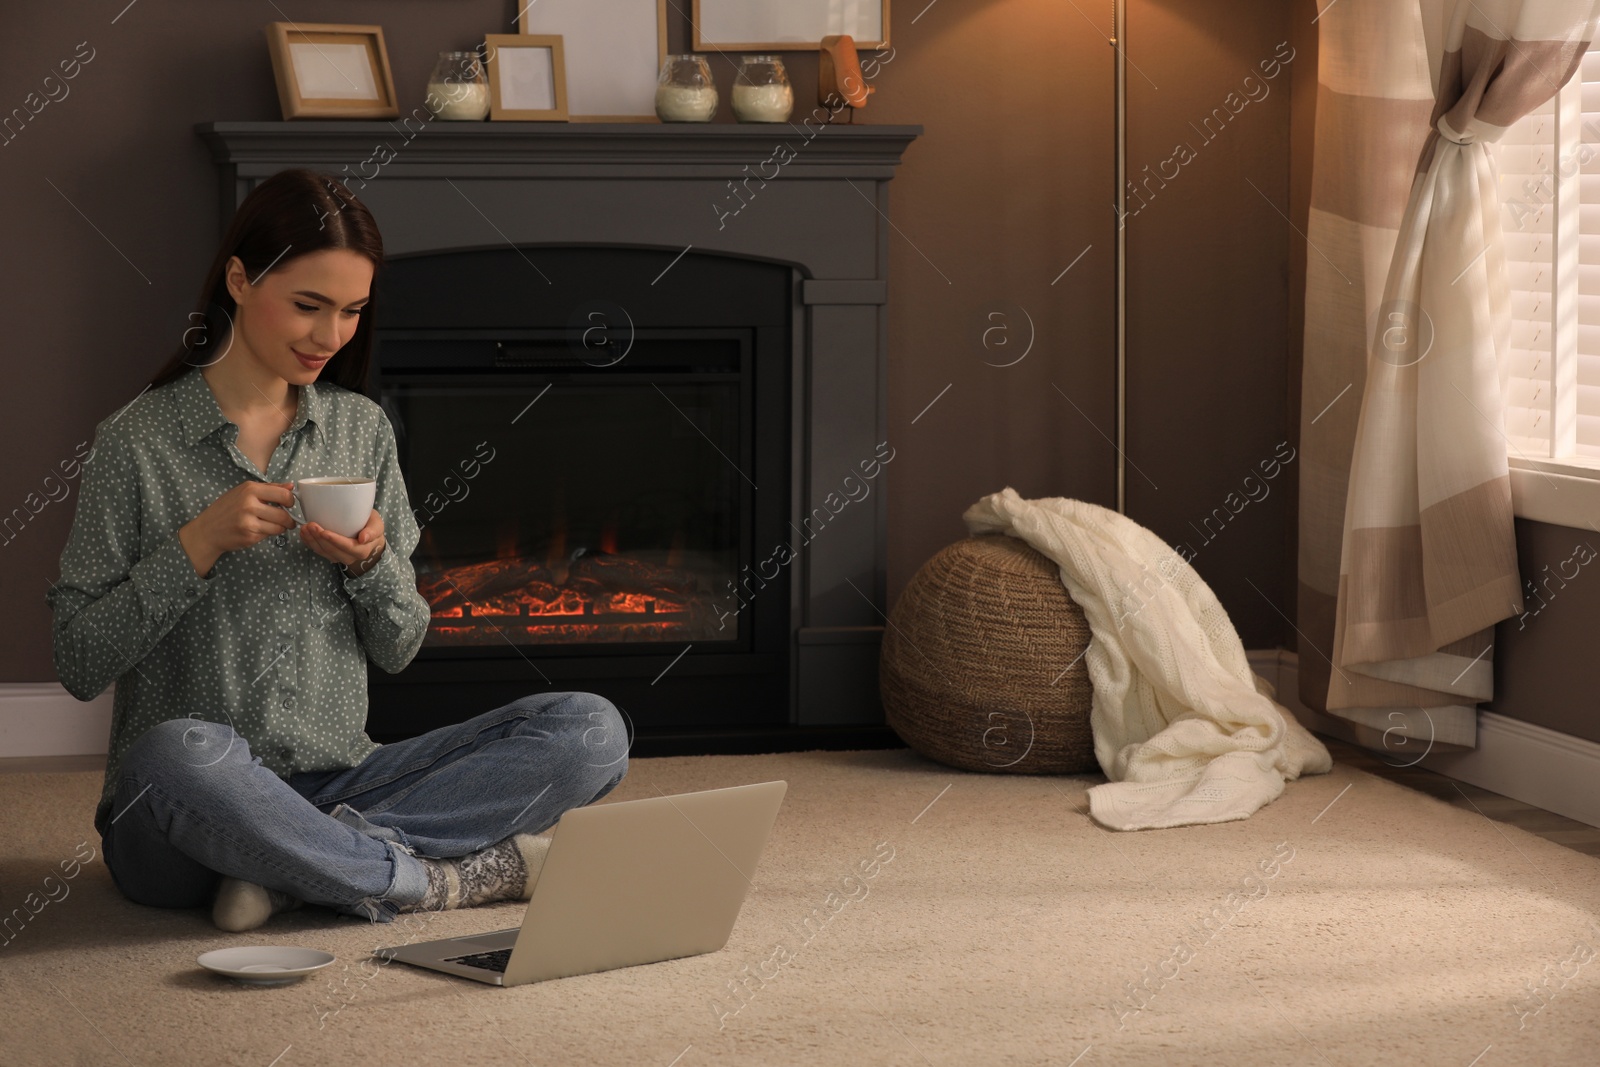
{"x": 274, "y": 641}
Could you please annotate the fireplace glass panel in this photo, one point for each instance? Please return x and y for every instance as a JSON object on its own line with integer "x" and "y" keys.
{"x": 573, "y": 513}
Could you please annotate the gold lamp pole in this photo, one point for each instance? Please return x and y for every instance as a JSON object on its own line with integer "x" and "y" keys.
{"x": 1119, "y": 66}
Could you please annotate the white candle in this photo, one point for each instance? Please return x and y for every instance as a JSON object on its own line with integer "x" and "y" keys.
{"x": 459, "y": 100}
{"x": 685, "y": 103}
{"x": 762, "y": 103}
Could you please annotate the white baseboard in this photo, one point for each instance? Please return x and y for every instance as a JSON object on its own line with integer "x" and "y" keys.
{"x": 43, "y": 719}
{"x": 1533, "y": 764}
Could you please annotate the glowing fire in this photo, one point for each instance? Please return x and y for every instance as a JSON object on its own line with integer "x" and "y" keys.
{"x": 600, "y": 595}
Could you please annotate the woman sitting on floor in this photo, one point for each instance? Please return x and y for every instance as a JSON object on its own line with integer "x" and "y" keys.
{"x": 239, "y": 771}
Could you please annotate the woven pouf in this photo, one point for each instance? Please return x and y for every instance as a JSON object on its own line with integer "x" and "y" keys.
{"x": 982, "y": 665}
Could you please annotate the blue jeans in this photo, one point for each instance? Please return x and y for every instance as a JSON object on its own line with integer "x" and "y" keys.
{"x": 192, "y": 804}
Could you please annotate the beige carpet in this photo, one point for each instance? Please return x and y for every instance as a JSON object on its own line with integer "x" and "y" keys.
{"x": 1369, "y": 925}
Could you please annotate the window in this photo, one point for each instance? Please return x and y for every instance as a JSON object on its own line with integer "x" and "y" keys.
{"x": 1549, "y": 172}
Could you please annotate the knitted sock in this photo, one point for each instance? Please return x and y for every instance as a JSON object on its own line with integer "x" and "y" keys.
{"x": 241, "y": 905}
{"x": 506, "y": 870}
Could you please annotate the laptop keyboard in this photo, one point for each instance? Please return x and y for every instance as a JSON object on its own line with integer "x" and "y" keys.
{"x": 488, "y": 961}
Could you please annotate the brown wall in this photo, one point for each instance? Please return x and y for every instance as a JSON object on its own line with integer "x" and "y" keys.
{"x": 1302, "y": 130}
{"x": 1546, "y": 669}
{"x": 1208, "y": 288}
{"x": 110, "y": 217}
{"x": 1009, "y": 185}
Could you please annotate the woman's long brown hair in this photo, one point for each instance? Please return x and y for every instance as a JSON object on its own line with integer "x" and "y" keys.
{"x": 292, "y": 213}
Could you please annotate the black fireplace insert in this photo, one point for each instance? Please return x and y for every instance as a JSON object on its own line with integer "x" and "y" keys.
{"x": 595, "y": 441}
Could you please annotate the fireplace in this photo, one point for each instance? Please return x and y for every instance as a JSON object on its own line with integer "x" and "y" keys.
{"x": 644, "y": 437}
{"x": 593, "y": 467}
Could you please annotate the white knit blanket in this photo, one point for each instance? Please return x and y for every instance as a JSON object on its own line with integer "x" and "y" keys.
{"x": 1184, "y": 730}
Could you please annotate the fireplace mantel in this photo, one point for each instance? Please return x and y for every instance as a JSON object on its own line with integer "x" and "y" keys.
{"x": 252, "y": 146}
{"x": 806, "y": 195}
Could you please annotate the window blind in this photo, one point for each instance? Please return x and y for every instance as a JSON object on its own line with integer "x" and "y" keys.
{"x": 1526, "y": 158}
{"x": 1549, "y": 174}
{"x": 1586, "y": 143}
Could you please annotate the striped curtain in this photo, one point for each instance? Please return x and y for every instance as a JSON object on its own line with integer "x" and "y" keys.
{"x": 1407, "y": 552}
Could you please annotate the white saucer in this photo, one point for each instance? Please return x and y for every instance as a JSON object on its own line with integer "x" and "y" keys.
{"x": 265, "y": 964}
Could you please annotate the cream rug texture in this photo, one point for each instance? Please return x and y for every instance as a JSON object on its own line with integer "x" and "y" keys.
{"x": 904, "y": 913}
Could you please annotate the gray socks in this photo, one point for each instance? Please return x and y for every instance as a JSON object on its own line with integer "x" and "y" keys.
{"x": 506, "y": 870}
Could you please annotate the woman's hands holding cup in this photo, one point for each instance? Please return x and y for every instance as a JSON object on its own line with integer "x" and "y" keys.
{"x": 247, "y": 513}
{"x": 254, "y": 511}
{"x": 358, "y": 554}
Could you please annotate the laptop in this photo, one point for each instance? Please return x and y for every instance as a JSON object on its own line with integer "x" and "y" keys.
{"x": 625, "y": 883}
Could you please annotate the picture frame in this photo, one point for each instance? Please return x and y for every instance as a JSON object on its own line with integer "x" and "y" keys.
{"x": 787, "y": 25}
{"x": 527, "y": 77}
{"x": 613, "y": 52}
{"x": 331, "y": 71}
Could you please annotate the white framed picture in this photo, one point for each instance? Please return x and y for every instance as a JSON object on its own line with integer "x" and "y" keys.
{"x": 787, "y": 25}
{"x": 527, "y": 77}
{"x": 613, "y": 51}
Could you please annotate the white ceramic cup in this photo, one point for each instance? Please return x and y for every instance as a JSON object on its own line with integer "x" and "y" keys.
{"x": 340, "y": 504}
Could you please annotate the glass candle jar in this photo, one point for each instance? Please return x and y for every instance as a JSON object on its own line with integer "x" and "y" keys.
{"x": 457, "y": 88}
{"x": 761, "y": 90}
{"x": 684, "y": 91}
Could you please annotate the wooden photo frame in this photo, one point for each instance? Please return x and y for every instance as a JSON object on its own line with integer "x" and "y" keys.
{"x": 785, "y": 25}
{"x": 613, "y": 51}
{"x": 527, "y": 77}
{"x": 331, "y": 71}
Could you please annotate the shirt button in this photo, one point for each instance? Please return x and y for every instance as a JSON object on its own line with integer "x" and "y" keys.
{"x": 192, "y": 591}
{"x": 283, "y": 596}
{"x": 288, "y": 702}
